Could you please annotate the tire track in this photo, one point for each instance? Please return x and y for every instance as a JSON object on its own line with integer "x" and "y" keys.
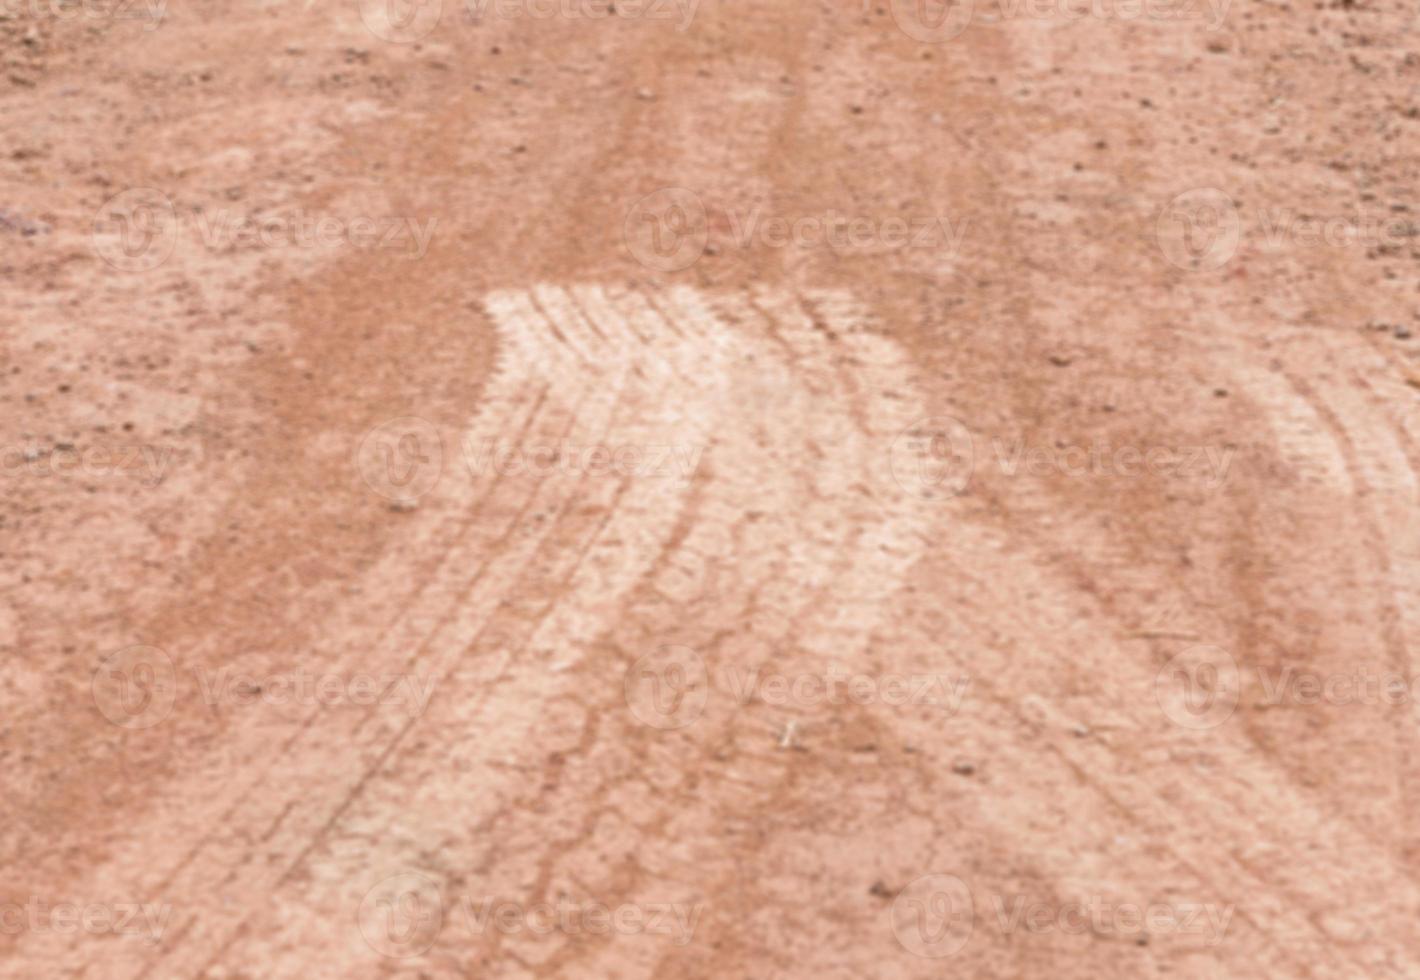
{"x": 1382, "y": 457}
{"x": 229, "y": 832}
{"x": 771, "y": 531}
{"x": 654, "y": 368}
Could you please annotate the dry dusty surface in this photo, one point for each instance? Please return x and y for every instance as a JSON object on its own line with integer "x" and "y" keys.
{"x": 503, "y": 488}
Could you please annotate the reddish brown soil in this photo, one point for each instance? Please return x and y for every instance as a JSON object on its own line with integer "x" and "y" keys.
{"x": 418, "y": 432}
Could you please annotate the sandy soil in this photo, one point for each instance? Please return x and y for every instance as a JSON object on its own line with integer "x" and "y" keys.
{"x": 721, "y": 489}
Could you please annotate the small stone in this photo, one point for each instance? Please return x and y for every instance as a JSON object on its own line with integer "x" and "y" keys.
{"x": 645, "y": 95}
{"x": 964, "y": 769}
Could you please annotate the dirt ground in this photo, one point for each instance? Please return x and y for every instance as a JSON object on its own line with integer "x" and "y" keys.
{"x": 517, "y": 488}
